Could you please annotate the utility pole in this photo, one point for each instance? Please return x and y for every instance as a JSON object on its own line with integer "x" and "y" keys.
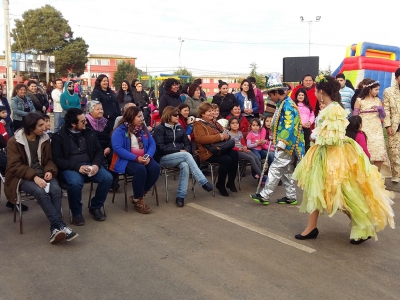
{"x": 180, "y": 50}
{"x": 47, "y": 69}
{"x": 9, "y": 74}
{"x": 317, "y": 19}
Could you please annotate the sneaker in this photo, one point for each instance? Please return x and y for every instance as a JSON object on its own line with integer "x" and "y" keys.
{"x": 97, "y": 214}
{"x": 70, "y": 234}
{"x": 141, "y": 206}
{"x": 286, "y": 200}
{"x": 396, "y": 179}
{"x": 78, "y": 220}
{"x": 259, "y": 198}
{"x": 11, "y": 205}
{"x": 57, "y": 236}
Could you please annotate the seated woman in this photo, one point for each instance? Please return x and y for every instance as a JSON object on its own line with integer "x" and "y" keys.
{"x": 174, "y": 150}
{"x": 98, "y": 123}
{"x": 31, "y": 169}
{"x": 134, "y": 148}
{"x": 208, "y": 132}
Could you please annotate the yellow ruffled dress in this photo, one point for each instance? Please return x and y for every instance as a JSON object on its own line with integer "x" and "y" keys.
{"x": 335, "y": 174}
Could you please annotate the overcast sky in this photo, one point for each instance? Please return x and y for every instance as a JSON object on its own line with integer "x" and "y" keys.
{"x": 223, "y": 36}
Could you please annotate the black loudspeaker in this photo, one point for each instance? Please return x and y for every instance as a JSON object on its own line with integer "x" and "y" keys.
{"x": 294, "y": 68}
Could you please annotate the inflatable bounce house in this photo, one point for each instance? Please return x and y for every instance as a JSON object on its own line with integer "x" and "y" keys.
{"x": 368, "y": 60}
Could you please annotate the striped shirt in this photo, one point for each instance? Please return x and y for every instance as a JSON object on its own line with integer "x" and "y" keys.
{"x": 346, "y": 93}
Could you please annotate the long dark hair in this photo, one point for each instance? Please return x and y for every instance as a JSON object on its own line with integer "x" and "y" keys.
{"x": 331, "y": 87}
{"x": 121, "y": 92}
{"x": 354, "y": 127}
{"x": 306, "y": 101}
{"x": 366, "y": 89}
{"x": 130, "y": 115}
{"x": 98, "y": 81}
{"x": 250, "y": 93}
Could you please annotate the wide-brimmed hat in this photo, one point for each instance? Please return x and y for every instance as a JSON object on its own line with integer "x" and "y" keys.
{"x": 274, "y": 83}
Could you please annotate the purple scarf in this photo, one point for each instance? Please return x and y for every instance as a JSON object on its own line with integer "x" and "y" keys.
{"x": 97, "y": 125}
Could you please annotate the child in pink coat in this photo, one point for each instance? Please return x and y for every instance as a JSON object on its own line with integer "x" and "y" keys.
{"x": 354, "y": 131}
{"x": 306, "y": 114}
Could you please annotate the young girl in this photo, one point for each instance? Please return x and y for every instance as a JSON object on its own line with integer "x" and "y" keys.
{"x": 240, "y": 146}
{"x": 354, "y": 131}
{"x": 266, "y": 134}
{"x": 216, "y": 112}
{"x": 370, "y": 109}
{"x": 254, "y": 140}
{"x": 306, "y": 114}
{"x": 153, "y": 105}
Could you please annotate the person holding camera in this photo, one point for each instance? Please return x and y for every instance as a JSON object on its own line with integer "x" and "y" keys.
{"x": 134, "y": 148}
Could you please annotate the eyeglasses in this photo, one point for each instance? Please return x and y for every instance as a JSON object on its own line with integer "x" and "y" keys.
{"x": 83, "y": 121}
{"x": 70, "y": 85}
{"x": 175, "y": 115}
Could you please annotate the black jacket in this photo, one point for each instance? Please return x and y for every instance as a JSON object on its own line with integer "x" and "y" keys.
{"x": 225, "y": 103}
{"x": 61, "y": 147}
{"x": 141, "y": 99}
{"x": 103, "y": 137}
{"x": 39, "y": 101}
{"x": 168, "y": 100}
{"x": 170, "y": 140}
{"x": 109, "y": 101}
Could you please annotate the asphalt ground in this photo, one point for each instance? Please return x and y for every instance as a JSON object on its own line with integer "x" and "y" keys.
{"x": 212, "y": 248}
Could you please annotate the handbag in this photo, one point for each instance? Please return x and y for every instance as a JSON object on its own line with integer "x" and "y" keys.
{"x": 219, "y": 147}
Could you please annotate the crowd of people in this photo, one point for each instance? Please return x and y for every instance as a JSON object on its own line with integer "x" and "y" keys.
{"x": 332, "y": 138}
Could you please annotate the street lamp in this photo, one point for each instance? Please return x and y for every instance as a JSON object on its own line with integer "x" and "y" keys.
{"x": 180, "y": 49}
{"x": 317, "y": 19}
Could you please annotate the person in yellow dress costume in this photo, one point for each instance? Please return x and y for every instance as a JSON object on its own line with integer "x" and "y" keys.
{"x": 335, "y": 174}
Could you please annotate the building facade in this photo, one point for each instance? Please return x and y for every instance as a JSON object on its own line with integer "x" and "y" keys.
{"x": 210, "y": 82}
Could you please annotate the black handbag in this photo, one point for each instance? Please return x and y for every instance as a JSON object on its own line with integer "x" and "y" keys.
{"x": 219, "y": 147}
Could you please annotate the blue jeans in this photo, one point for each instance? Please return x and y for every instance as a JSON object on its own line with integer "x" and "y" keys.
{"x": 75, "y": 182}
{"x": 185, "y": 162}
{"x": 260, "y": 153}
{"x": 144, "y": 176}
{"x": 58, "y": 121}
{"x": 50, "y": 203}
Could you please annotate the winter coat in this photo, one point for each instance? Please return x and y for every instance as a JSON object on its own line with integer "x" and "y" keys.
{"x": 170, "y": 139}
{"x": 17, "y": 106}
{"x": 194, "y": 104}
{"x": 4, "y": 102}
{"x": 109, "y": 101}
{"x": 141, "y": 99}
{"x": 121, "y": 144}
{"x": 204, "y": 135}
{"x": 240, "y": 99}
{"x": 168, "y": 100}
{"x": 19, "y": 161}
{"x": 38, "y": 101}
{"x": 104, "y": 137}
{"x": 225, "y": 103}
{"x": 61, "y": 148}
{"x": 67, "y": 100}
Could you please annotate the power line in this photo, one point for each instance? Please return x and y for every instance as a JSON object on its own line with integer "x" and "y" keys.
{"x": 204, "y": 40}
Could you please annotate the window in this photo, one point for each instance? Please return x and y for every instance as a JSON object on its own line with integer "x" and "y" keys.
{"x": 206, "y": 80}
{"x": 216, "y": 90}
{"x": 206, "y": 90}
{"x": 95, "y": 75}
{"x": 100, "y": 62}
{"x": 118, "y": 61}
{"x": 216, "y": 80}
{"x": 2, "y": 62}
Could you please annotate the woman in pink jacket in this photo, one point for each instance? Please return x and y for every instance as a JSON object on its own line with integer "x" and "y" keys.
{"x": 306, "y": 114}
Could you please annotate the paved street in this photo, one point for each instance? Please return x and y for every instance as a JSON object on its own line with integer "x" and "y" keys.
{"x": 213, "y": 248}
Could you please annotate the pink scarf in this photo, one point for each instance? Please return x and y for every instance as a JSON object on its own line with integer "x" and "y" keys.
{"x": 97, "y": 125}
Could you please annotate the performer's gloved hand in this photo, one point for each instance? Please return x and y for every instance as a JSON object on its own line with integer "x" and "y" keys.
{"x": 380, "y": 110}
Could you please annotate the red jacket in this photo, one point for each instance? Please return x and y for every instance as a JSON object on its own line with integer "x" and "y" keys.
{"x": 310, "y": 93}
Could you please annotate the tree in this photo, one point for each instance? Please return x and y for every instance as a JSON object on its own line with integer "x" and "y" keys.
{"x": 184, "y": 72}
{"x": 44, "y": 30}
{"x": 125, "y": 71}
{"x": 327, "y": 71}
{"x": 260, "y": 79}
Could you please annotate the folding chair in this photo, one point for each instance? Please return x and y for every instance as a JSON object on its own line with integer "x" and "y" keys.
{"x": 167, "y": 172}
{"x": 128, "y": 179}
{"x": 214, "y": 168}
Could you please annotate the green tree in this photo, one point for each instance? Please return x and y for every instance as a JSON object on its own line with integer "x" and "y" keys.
{"x": 125, "y": 71}
{"x": 184, "y": 72}
{"x": 44, "y": 30}
{"x": 260, "y": 79}
{"x": 327, "y": 71}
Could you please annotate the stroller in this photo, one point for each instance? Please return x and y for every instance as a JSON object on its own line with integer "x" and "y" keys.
{"x": 155, "y": 118}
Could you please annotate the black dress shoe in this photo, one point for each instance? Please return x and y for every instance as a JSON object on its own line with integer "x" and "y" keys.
{"x": 231, "y": 187}
{"x": 312, "y": 235}
{"x": 208, "y": 187}
{"x": 223, "y": 191}
{"x": 78, "y": 220}
{"x": 358, "y": 242}
{"x": 97, "y": 214}
{"x": 180, "y": 202}
{"x": 11, "y": 205}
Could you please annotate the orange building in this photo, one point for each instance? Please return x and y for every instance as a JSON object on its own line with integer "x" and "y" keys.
{"x": 210, "y": 82}
{"x": 103, "y": 64}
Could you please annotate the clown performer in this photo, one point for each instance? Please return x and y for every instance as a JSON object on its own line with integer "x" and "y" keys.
{"x": 335, "y": 174}
{"x": 288, "y": 138}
